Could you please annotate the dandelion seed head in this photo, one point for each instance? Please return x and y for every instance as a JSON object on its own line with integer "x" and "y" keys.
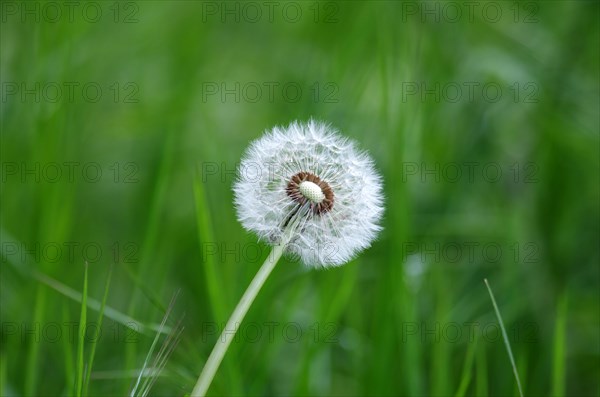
{"x": 308, "y": 174}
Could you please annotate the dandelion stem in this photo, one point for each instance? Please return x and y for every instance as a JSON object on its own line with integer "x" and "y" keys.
{"x": 216, "y": 356}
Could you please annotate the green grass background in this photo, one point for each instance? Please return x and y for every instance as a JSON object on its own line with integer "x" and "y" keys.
{"x": 172, "y": 208}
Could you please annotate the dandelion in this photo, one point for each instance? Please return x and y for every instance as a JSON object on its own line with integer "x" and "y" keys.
{"x": 308, "y": 192}
{"x": 309, "y": 174}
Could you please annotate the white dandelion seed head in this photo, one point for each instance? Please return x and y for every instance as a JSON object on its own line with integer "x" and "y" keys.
{"x": 307, "y": 173}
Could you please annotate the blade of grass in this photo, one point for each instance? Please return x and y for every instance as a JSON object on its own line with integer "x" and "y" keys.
{"x": 522, "y": 356}
{"x": 81, "y": 334}
{"x": 161, "y": 358}
{"x": 150, "y": 293}
{"x": 467, "y": 372}
{"x": 558, "y": 367}
{"x": 3, "y": 386}
{"x": 33, "y": 354}
{"x": 154, "y": 342}
{"x": 94, "y": 342}
{"x": 204, "y": 224}
{"x": 412, "y": 353}
{"x": 129, "y": 374}
{"x": 441, "y": 354}
{"x": 152, "y": 229}
{"x": 337, "y": 298}
{"x": 25, "y": 270}
{"x": 153, "y": 346}
{"x": 93, "y": 304}
{"x": 160, "y": 361}
{"x": 269, "y": 353}
{"x": 504, "y": 337}
{"x": 151, "y": 237}
{"x": 481, "y": 387}
{"x": 69, "y": 365}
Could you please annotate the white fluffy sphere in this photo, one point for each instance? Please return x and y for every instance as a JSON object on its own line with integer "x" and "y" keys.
{"x": 307, "y": 173}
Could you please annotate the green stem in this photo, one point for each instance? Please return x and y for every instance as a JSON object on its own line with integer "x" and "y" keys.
{"x": 216, "y": 356}
{"x": 504, "y": 336}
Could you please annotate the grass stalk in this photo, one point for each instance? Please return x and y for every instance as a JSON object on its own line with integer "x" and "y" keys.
{"x": 69, "y": 364}
{"x": 81, "y": 334}
{"x": 467, "y": 373}
{"x": 31, "y": 373}
{"x": 98, "y": 327}
{"x": 558, "y": 367}
{"x": 154, "y": 372}
{"x": 3, "y": 377}
{"x": 504, "y": 337}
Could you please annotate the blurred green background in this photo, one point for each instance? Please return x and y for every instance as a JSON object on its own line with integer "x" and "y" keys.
{"x": 123, "y": 123}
